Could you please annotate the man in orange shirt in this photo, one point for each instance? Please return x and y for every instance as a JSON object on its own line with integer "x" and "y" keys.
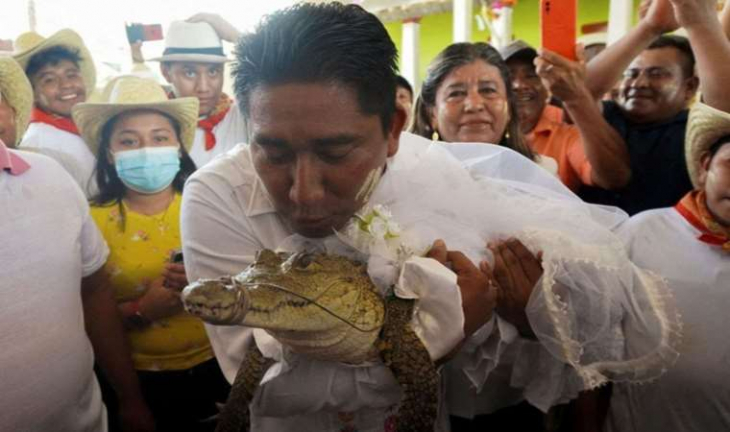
{"x": 588, "y": 152}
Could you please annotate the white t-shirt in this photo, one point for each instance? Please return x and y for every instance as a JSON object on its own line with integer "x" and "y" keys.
{"x": 229, "y": 132}
{"x": 48, "y": 243}
{"x": 694, "y": 396}
{"x": 45, "y": 136}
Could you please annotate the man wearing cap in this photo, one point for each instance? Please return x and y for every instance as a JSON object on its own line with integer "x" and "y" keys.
{"x": 589, "y": 152}
{"x": 56, "y": 305}
{"x": 658, "y": 85}
{"x": 193, "y": 63}
{"x": 689, "y": 245}
{"x": 62, "y": 73}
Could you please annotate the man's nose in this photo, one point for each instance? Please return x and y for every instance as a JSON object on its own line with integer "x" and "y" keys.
{"x": 307, "y": 181}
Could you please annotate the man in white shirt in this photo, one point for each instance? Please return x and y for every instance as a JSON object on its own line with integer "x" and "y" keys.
{"x": 317, "y": 84}
{"x": 688, "y": 244}
{"x": 62, "y": 73}
{"x": 55, "y": 300}
{"x": 193, "y": 63}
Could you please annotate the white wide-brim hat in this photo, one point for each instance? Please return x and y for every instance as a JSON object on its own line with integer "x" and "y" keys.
{"x": 705, "y": 126}
{"x": 133, "y": 93}
{"x": 17, "y": 92}
{"x": 192, "y": 42}
{"x": 30, "y": 43}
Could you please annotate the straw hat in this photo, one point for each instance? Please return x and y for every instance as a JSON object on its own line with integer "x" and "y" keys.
{"x": 18, "y": 93}
{"x": 30, "y": 43}
{"x": 705, "y": 126}
{"x": 194, "y": 42}
{"x": 133, "y": 93}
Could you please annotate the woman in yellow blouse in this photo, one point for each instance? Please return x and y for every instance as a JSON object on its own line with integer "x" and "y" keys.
{"x": 141, "y": 140}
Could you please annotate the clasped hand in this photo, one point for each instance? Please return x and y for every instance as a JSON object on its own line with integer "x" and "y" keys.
{"x": 505, "y": 287}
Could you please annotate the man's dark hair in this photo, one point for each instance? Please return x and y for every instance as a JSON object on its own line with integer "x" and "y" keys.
{"x": 52, "y": 56}
{"x": 681, "y": 44}
{"x": 714, "y": 148}
{"x": 451, "y": 58}
{"x": 403, "y": 83}
{"x": 320, "y": 43}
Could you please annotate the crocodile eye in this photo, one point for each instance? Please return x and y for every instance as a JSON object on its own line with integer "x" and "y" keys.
{"x": 304, "y": 261}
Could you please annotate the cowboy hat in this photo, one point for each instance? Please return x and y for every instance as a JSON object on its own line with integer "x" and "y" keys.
{"x": 705, "y": 126}
{"x": 131, "y": 93}
{"x": 17, "y": 92}
{"x": 31, "y": 43}
{"x": 193, "y": 42}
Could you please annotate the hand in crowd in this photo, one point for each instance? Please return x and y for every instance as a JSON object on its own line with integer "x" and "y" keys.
{"x": 690, "y": 13}
{"x": 225, "y": 30}
{"x": 136, "y": 48}
{"x": 478, "y": 291}
{"x": 516, "y": 271}
{"x": 658, "y": 15}
{"x": 564, "y": 79}
{"x": 175, "y": 278}
{"x": 160, "y": 302}
{"x": 135, "y": 416}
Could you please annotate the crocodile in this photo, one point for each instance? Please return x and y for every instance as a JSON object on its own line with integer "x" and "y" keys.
{"x": 325, "y": 307}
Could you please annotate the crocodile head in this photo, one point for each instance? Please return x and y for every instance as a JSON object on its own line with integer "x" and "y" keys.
{"x": 318, "y": 303}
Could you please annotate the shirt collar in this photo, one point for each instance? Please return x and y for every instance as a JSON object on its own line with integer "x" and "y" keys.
{"x": 11, "y": 162}
{"x": 259, "y": 203}
{"x": 547, "y": 121}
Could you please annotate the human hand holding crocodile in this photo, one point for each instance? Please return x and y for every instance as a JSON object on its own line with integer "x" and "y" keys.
{"x": 478, "y": 292}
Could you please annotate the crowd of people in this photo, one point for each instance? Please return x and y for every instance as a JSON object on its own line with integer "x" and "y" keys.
{"x": 572, "y": 218}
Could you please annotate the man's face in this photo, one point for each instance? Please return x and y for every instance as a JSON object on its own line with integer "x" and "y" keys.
{"x": 7, "y": 123}
{"x": 404, "y": 98}
{"x": 199, "y": 80}
{"x": 530, "y": 93}
{"x": 714, "y": 177}
{"x": 317, "y": 153}
{"x": 58, "y": 88}
{"x": 654, "y": 88}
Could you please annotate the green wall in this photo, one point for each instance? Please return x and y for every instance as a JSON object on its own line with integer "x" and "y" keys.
{"x": 436, "y": 30}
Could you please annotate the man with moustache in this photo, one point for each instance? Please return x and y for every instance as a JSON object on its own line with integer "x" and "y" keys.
{"x": 589, "y": 152}
{"x": 657, "y": 85}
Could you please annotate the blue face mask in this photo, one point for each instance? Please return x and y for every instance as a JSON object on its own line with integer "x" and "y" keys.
{"x": 148, "y": 170}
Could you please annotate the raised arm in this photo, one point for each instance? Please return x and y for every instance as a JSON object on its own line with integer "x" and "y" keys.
{"x": 711, "y": 48}
{"x": 605, "y": 70}
{"x": 605, "y": 150}
{"x": 225, "y": 30}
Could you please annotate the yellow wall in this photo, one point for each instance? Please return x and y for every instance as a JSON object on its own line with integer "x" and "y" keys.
{"x": 436, "y": 30}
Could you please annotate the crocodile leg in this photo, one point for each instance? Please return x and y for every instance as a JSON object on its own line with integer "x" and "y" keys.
{"x": 235, "y": 416}
{"x": 404, "y": 353}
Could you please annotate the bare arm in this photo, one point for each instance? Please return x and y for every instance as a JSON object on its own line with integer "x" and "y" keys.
{"x": 605, "y": 70}
{"x": 223, "y": 28}
{"x": 711, "y": 48}
{"x": 605, "y": 149}
{"x": 105, "y": 331}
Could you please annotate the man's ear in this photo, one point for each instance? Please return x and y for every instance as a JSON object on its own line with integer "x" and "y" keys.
{"x": 692, "y": 86}
{"x": 165, "y": 71}
{"x": 704, "y": 167}
{"x": 397, "y": 123}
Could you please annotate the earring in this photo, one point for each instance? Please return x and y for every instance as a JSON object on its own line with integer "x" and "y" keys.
{"x": 435, "y": 136}
{"x": 506, "y": 135}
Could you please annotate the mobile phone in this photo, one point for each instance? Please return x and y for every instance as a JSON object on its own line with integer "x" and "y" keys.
{"x": 143, "y": 32}
{"x": 176, "y": 257}
{"x": 558, "y": 26}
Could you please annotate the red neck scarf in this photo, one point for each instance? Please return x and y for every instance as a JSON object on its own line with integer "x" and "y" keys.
{"x": 215, "y": 117}
{"x": 63, "y": 123}
{"x": 693, "y": 207}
